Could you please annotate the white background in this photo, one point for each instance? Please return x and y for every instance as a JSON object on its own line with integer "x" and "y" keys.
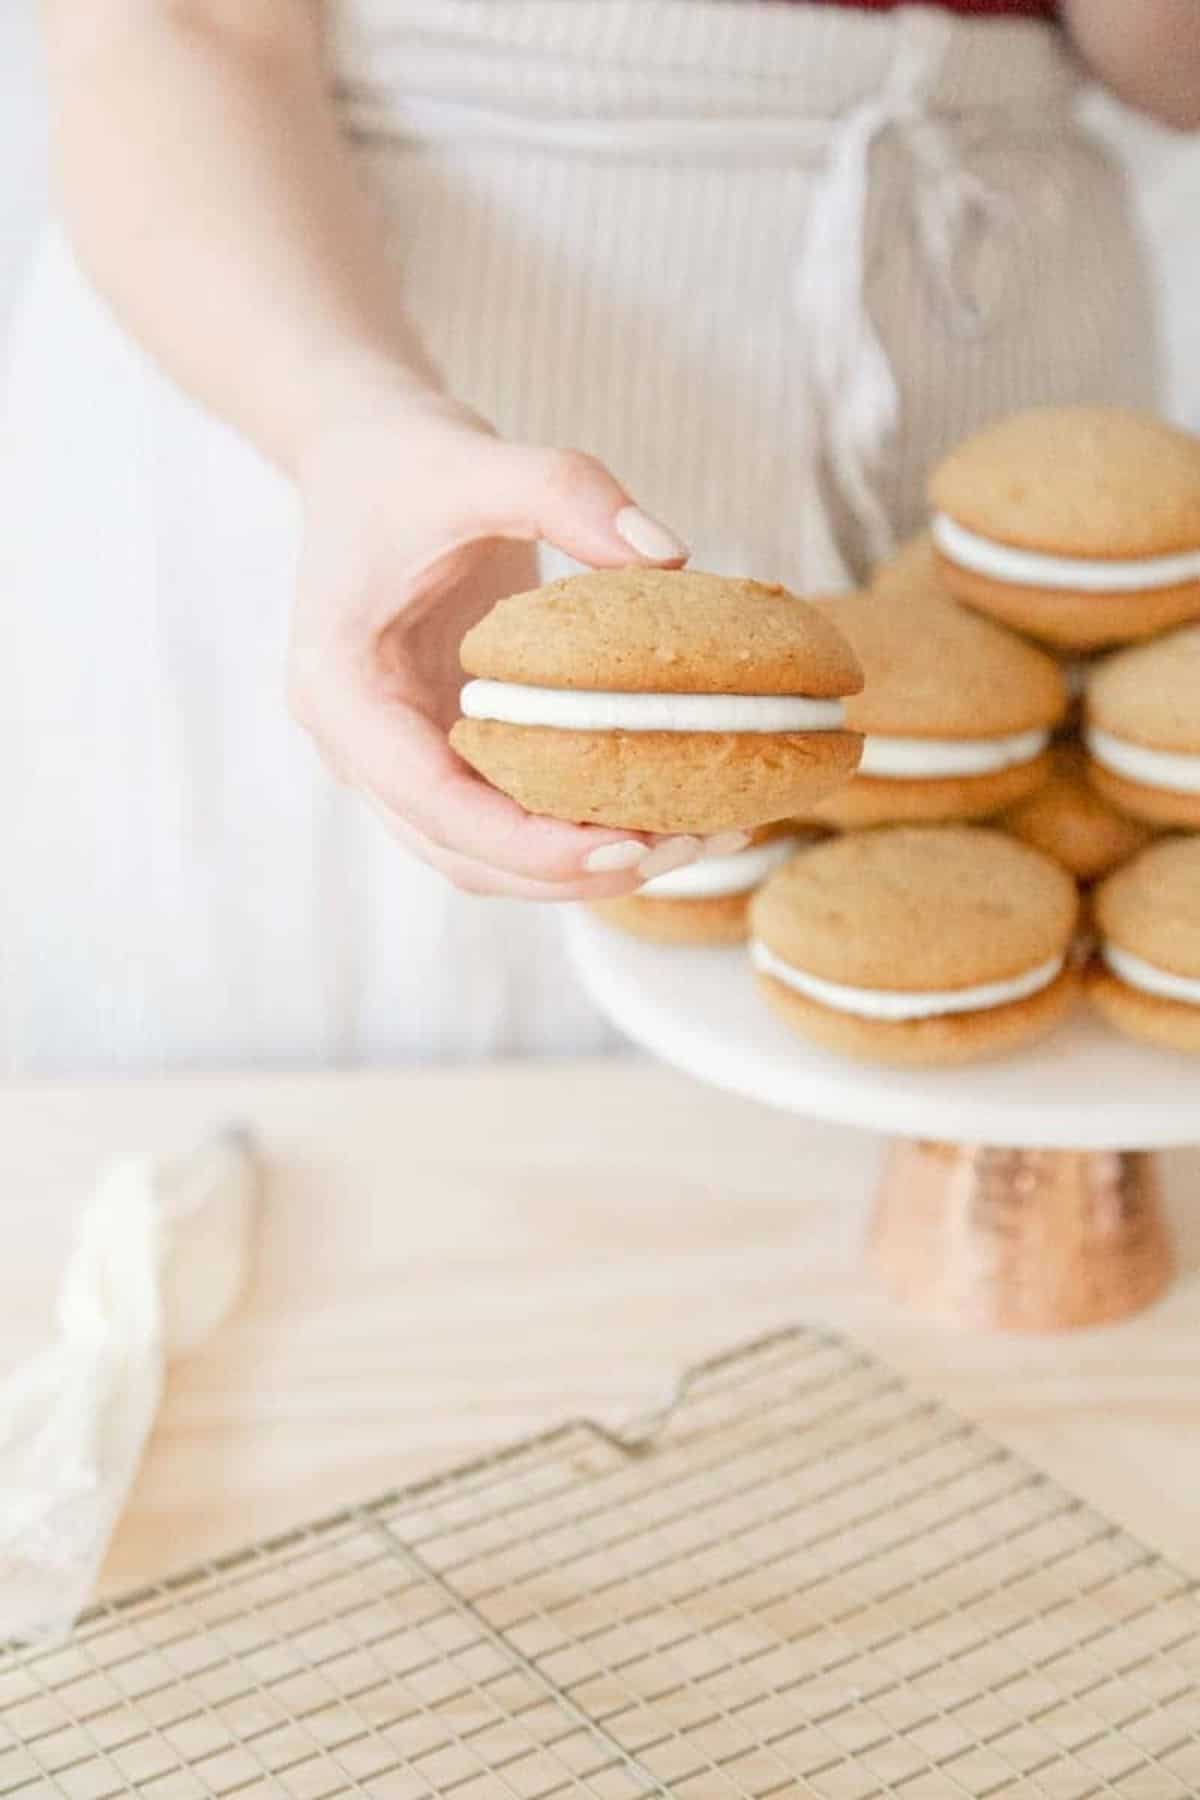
{"x": 1167, "y": 170}
{"x": 22, "y": 126}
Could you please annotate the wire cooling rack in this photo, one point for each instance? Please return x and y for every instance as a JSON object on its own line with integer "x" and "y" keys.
{"x": 801, "y": 1579}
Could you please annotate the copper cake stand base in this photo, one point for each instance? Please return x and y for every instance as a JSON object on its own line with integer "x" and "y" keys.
{"x": 1020, "y": 1240}
{"x": 1035, "y": 1239}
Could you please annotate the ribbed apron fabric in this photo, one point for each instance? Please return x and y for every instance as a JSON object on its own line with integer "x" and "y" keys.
{"x": 768, "y": 261}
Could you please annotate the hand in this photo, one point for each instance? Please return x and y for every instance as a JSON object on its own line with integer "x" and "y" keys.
{"x": 417, "y": 520}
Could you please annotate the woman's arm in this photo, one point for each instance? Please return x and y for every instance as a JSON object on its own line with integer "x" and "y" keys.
{"x": 211, "y": 200}
{"x": 210, "y": 196}
{"x": 1146, "y": 51}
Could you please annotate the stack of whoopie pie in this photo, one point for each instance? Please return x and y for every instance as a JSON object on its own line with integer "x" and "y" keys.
{"x": 905, "y": 792}
{"x": 1080, "y": 526}
{"x": 1030, "y": 717}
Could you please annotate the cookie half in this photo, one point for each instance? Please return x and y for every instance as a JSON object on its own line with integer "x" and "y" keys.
{"x": 913, "y": 566}
{"x": 1079, "y": 525}
{"x": 926, "y": 945}
{"x": 956, "y": 712}
{"x": 659, "y": 700}
{"x": 1071, "y": 821}
{"x": 706, "y": 902}
{"x": 1142, "y": 729}
{"x": 1146, "y": 977}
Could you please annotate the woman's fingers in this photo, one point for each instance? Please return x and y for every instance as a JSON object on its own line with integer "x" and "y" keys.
{"x": 388, "y": 748}
{"x": 392, "y": 577}
{"x": 571, "y": 501}
{"x": 472, "y": 877}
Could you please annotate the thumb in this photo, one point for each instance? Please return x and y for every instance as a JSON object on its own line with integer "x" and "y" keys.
{"x": 570, "y": 500}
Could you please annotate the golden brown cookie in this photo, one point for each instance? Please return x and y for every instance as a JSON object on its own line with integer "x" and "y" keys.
{"x": 1142, "y": 729}
{"x": 698, "y": 923}
{"x": 1146, "y": 978}
{"x": 1170, "y": 1024}
{"x": 944, "y": 1042}
{"x": 914, "y": 566}
{"x": 662, "y": 631}
{"x": 1079, "y": 525}
{"x": 705, "y": 902}
{"x": 956, "y": 712}
{"x": 658, "y": 700}
{"x": 1069, "y": 820}
{"x": 917, "y": 944}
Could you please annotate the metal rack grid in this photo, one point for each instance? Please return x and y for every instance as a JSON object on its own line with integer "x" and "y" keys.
{"x": 801, "y": 1579}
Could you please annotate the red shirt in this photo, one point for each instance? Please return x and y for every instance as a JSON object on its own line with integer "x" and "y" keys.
{"x": 1029, "y": 9}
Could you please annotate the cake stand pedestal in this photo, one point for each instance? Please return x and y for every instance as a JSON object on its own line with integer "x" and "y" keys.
{"x": 1019, "y": 1194}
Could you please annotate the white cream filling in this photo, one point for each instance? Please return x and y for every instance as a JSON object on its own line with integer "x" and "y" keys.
{"x": 1176, "y": 770}
{"x": 1150, "y": 978}
{"x": 899, "y": 758}
{"x": 1083, "y": 574}
{"x": 716, "y": 877}
{"x": 512, "y": 703}
{"x": 877, "y": 1003}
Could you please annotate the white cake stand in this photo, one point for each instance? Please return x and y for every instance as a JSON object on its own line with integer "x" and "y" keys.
{"x": 1019, "y": 1193}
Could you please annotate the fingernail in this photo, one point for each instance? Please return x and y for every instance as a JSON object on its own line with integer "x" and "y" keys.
{"x": 726, "y": 843}
{"x": 667, "y": 856}
{"x": 610, "y": 858}
{"x": 647, "y": 536}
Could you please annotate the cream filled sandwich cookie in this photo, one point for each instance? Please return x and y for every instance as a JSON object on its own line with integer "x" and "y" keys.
{"x": 1142, "y": 729}
{"x": 920, "y": 945}
{"x": 706, "y": 902}
{"x": 956, "y": 712}
{"x": 1078, "y": 525}
{"x": 1071, "y": 821}
{"x": 915, "y": 569}
{"x": 659, "y": 700}
{"x": 1145, "y": 978}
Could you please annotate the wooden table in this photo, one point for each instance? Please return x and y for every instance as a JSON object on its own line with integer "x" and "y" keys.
{"x": 451, "y": 1259}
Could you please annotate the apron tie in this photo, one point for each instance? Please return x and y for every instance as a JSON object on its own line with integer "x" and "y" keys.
{"x": 854, "y": 392}
{"x": 850, "y": 412}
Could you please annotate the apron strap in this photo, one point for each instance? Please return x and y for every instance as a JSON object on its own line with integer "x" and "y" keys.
{"x": 853, "y": 391}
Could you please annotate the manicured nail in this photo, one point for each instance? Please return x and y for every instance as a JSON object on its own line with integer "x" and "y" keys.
{"x": 726, "y": 843}
{"x": 671, "y": 854}
{"x": 647, "y": 536}
{"x": 609, "y": 859}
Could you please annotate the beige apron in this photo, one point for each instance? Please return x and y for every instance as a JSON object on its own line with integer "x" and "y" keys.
{"x": 768, "y": 260}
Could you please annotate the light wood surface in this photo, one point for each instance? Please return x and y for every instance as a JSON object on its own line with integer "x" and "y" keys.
{"x": 452, "y": 1259}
